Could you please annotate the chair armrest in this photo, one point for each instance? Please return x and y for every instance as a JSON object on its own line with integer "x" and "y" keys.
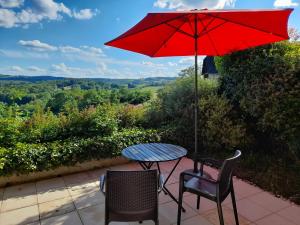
{"x": 102, "y": 183}
{"x": 197, "y": 176}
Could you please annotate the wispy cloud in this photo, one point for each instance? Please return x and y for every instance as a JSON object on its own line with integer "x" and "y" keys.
{"x": 84, "y": 14}
{"x": 192, "y": 4}
{"x": 11, "y": 3}
{"x": 37, "y": 45}
{"x": 38, "y": 11}
{"x": 285, "y": 3}
{"x": 23, "y": 54}
{"x": 84, "y": 51}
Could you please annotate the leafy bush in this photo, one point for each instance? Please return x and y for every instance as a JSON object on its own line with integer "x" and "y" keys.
{"x": 131, "y": 115}
{"x": 43, "y": 127}
{"x": 173, "y": 112}
{"x": 24, "y": 157}
{"x": 264, "y": 86}
{"x": 9, "y": 130}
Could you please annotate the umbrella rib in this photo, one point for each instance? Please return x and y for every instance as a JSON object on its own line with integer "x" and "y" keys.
{"x": 181, "y": 31}
{"x": 209, "y": 37}
{"x": 207, "y": 31}
{"x": 147, "y": 28}
{"x": 205, "y": 28}
{"x": 177, "y": 29}
{"x": 245, "y": 25}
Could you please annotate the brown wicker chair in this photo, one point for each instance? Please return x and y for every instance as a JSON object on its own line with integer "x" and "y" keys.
{"x": 215, "y": 190}
{"x": 130, "y": 195}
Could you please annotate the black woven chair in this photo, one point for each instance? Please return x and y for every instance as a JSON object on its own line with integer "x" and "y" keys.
{"x": 215, "y": 190}
{"x": 130, "y": 195}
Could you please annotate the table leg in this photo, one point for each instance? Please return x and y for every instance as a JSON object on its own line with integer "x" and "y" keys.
{"x": 165, "y": 189}
{"x": 148, "y": 166}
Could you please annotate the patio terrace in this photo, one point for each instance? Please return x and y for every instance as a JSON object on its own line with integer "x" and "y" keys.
{"x": 76, "y": 200}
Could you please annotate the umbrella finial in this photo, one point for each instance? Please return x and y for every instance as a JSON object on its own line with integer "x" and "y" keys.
{"x": 199, "y": 9}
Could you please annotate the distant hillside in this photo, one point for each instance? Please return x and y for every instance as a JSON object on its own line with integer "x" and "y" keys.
{"x": 150, "y": 81}
{"x": 29, "y": 78}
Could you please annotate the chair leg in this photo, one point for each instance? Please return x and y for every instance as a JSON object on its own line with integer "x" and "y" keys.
{"x": 220, "y": 212}
{"x": 198, "y": 201}
{"x": 181, "y": 183}
{"x": 234, "y": 207}
{"x": 156, "y": 222}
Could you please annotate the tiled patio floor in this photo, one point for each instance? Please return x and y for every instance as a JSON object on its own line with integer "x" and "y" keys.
{"x": 75, "y": 200}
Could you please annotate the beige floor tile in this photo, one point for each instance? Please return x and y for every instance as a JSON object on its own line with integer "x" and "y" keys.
{"x": 54, "y": 183}
{"x": 196, "y": 220}
{"x": 18, "y": 202}
{"x": 95, "y": 174}
{"x": 228, "y": 216}
{"x": 50, "y": 195}
{"x": 20, "y": 216}
{"x": 77, "y": 178}
{"x": 243, "y": 189}
{"x": 93, "y": 215}
{"x": 34, "y": 223}
{"x": 163, "y": 198}
{"x": 169, "y": 210}
{"x": 250, "y": 210}
{"x": 71, "y": 218}
{"x": 56, "y": 207}
{"x": 291, "y": 213}
{"x": 19, "y": 190}
{"x": 83, "y": 189}
{"x": 274, "y": 219}
{"x": 269, "y": 201}
{"x": 83, "y": 201}
{"x": 205, "y": 204}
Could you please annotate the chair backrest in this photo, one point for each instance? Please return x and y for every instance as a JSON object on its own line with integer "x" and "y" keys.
{"x": 225, "y": 174}
{"x": 131, "y": 191}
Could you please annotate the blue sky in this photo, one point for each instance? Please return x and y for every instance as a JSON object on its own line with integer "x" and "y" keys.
{"x": 66, "y": 37}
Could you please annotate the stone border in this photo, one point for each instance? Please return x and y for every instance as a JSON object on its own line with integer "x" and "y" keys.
{"x": 62, "y": 170}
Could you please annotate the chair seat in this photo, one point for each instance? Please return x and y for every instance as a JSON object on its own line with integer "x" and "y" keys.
{"x": 201, "y": 187}
{"x": 136, "y": 215}
{"x": 187, "y": 177}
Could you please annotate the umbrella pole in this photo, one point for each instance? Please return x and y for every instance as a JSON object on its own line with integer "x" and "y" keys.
{"x": 196, "y": 114}
{"x": 196, "y": 95}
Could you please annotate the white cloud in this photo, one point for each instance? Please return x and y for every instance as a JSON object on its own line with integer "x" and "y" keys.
{"x": 16, "y": 69}
{"x": 172, "y": 64}
{"x": 100, "y": 70}
{"x": 285, "y": 3}
{"x": 11, "y": 3}
{"x": 83, "y": 52}
{"x": 7, "y": 18}
{"x": 36, "y": 69}
{"x": 194, "y": 4}
{"x": 38, "y": 11}
{"x": 23, "y": 54}
{"x": 186, "y": 60}
{"x": 84, "y": 14}
{"x": 37, "y": 45}
{"x": 151, "y": 64}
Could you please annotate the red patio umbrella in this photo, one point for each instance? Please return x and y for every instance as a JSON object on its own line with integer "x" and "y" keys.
{"x": 203, "y": 32}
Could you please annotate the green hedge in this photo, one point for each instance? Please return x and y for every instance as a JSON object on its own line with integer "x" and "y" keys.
{"x": 25, "y": 157}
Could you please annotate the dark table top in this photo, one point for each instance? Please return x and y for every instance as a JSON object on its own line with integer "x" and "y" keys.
{"x": 154, "y": 152}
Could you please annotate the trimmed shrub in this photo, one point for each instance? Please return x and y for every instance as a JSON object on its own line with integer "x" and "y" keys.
{"x": 24, "y": 157}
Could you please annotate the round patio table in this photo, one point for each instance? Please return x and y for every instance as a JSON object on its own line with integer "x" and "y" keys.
{"x": 155, "y": 153}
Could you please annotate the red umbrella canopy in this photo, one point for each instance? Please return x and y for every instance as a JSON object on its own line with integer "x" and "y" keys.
{"x": 204, "y": 32}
